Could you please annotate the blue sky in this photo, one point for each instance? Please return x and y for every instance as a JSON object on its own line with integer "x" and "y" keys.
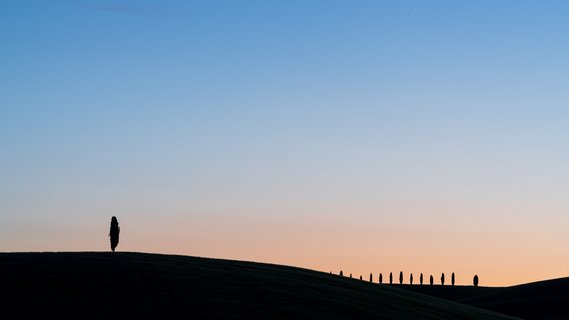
{"x": 234, "y": 117}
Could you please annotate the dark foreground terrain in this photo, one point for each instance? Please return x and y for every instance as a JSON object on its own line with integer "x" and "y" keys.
{"x": 91, "y": 285}
{"x": 543, "y": 300}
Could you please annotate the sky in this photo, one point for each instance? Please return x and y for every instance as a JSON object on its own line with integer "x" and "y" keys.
{"x": 363, "y": 136}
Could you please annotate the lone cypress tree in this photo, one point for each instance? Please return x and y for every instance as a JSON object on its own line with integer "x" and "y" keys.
{"x": 380, "y": 278}
{"x": 391, "y": 278}
{"x": 431, "y": 280}
{"x": 452, "y": 279}
{"x": 411, "y": 279}
{"x": 421, "y": 279}
{"x": 475, "y": 280}
{"x": 114, "y": 233}
{"x": 350, "y": 275}
{"x": 341, "y": 273}
{"x": 370, "y": 277}
{"x": 443, "y": 279}
{"x": 400, "y": 277}
{"x": 361, "y": 277}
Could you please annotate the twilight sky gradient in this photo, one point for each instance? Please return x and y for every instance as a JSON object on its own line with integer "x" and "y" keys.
{"x": 367, "y": 136}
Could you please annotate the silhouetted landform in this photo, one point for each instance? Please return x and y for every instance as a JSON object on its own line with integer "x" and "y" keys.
{"x": 545, "y": 300}
{"x": 114, "y": 233}
{"x": 122, "y": 285}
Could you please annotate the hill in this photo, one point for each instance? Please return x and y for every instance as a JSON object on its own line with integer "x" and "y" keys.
{"x": 538, "y": 300}
{"x": 91, "y": 285}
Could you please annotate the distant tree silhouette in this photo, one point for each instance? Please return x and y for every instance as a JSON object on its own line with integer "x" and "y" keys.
{"x": 391, "y": 278}
{"x": 421, "y": 279}
{"x": 400, "y": 277}
{"x": 411, "y": 279}
{"x": 350, "y": 275}
{"x": 475, "y": 280}
{"x": 431, "y": 280}
{"x": 114, "y": 233}
{"x": 341, "y": 273}
{"x": 361, "y": 277}
{"x": 370, "y": 277}
{"x": 380, "y": 278}
{"x": 452, "y": 279}
{"x": 443, "y": 279}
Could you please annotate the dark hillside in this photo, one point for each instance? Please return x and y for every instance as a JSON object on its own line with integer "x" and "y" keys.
{"x": 538, "y": 300}
{"x": 456, "y": 293}
{"x": 151, "y": 286}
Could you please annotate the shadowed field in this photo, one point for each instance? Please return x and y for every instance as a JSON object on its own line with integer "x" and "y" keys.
{"x": 538, "y": 300}
{"x": 90, "y": 285}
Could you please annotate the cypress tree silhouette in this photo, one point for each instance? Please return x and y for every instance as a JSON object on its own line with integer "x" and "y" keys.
{"x": 350, "y": 275}
{"x": 361, "y": 277}
{"x": 380, "y": 278}
{"x": 443, "y": 279}
{"x": 452, "y": 279}
{"x": 421, "y": 279}
{"x": 370, "y": 277}
{"x": 411, "y": 279}
{"x": 475, "y": 280}
{"x": 341, "y": 273}
{"x": 114, "y": 233}
{"x": 400, "y": 277}
{"x": 391, "y": 278}
{"x": 431, "y": 280}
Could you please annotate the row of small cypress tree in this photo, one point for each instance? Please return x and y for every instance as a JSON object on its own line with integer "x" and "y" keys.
{"x": 431, "y": 279}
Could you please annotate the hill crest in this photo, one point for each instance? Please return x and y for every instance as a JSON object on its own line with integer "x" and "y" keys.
{"x": 129, "y": 285}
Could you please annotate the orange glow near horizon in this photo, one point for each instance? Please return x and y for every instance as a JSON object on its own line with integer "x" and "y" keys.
{"x": 464, "y": 245}
{"x": 495, "y": 267}
{"x": 499, "y": 257}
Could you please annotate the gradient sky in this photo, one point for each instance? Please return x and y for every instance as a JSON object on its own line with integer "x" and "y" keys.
{"x": 363, "y": 136}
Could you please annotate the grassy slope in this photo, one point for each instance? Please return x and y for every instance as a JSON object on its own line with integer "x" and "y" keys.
{"x": 150, "y": 286}
{"x": 539, "y": 300}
